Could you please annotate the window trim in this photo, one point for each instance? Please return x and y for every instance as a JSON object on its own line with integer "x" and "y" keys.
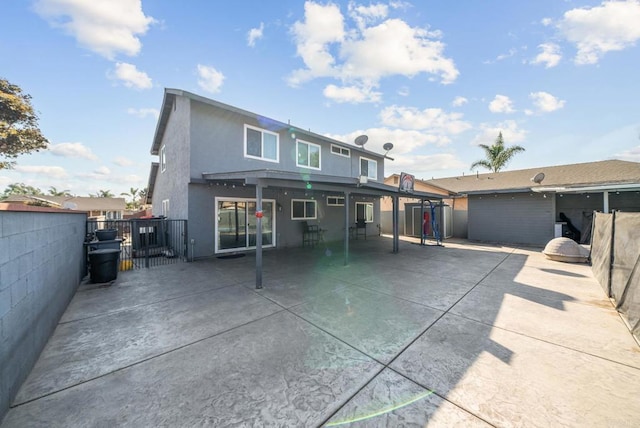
{"x": 165, "y": 207}
{"x": 319, "y": 167}
{"x": 163, "y": 158}
{"x": 262, "y": 132}
{"x": 369, "y": 172}
{"x": 340, "y": 151}
{"x": 315, "y": 209}
{"x": 337, "y": 203}
{"x": 365, "y": 211}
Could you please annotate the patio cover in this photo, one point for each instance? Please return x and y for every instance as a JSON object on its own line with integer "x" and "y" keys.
{"x": 348, "y": 186}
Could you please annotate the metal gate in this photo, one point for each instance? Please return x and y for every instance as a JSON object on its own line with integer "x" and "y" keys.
{"x": 143, "y": 243}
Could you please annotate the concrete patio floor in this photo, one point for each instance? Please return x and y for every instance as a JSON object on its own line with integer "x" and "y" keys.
{"x": 460, "y": 335}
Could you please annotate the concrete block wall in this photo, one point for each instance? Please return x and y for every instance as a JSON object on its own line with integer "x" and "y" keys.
{"x": 41, "y": 266}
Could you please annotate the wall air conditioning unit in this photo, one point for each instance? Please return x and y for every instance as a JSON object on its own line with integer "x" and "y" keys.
{"x": 364, "y": 179}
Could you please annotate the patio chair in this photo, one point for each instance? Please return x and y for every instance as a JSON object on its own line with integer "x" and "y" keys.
{"x": 310, "y": 234}
{"x": 361, "y": 228}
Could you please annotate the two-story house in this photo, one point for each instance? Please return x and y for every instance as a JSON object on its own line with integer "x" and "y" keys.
{"x": 236, "y": 176}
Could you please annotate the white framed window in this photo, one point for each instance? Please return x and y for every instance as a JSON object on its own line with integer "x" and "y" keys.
{"x": 303, "y": 209}
{"x": 308, "y": 154}
{"x": 340, "y": 151}
{"x": 163, "y": 159}
{"x": 261, "y": 144}
{"x": 369, "y": 168}
{"x": 165, "y": 207}
{"x": 364, "y": 210}
{"x": 335, "y": 201}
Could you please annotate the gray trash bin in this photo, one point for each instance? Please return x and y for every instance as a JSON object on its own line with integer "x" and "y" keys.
{"x": 104, "y": 265}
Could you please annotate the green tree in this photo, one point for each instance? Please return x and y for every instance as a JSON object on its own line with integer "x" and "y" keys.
{"x": 20, "y": 189}
{"x": 103, "y": 194}
{"x": 55, "y": 192}
{"x": 19, "y": 132}
{"x": 497, "y": 155}
{"x": 133, "y": 193}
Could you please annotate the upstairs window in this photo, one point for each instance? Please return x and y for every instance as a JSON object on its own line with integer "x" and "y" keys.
{"x": 260, "y": 144}
{"x": 165, "y": 207}
{"x": 308, "y": 155}
{"x": 369, "y": 168}
{"x": 163, "y": 159}
{"x": 340, "y": 151}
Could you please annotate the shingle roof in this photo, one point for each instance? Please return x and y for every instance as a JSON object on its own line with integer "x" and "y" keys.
{"x": 609, "y": 172}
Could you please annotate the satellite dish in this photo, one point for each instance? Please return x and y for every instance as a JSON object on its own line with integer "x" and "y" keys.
{"x": 387, "y": 146}
{"x": 69, "y": 206}
{"x": 361, "y": 140}
{"x": 538, "y": 178}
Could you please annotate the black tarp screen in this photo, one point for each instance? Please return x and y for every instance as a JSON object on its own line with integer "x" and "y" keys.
{"x": 624, "y": 283}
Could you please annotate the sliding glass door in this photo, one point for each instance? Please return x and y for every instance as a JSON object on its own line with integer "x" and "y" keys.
{"x": 236, "y": 224}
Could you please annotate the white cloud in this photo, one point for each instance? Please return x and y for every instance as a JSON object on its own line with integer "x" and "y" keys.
{"x": 364, "y": 15}
{"x": 501, "y": 104}
{"x": 363, "y": 55}
{"x": 612, "y": 26}
{"x": 103, "y": 170}
{"x": 107, "y": 27}
{"x": 550, "y": 55}
{"x": 501, "y": 57}
{"x": 351, "y": 94}
{"x": 255, "y": 34}
{"x": 122, "y": 161}
{"x": 425, "y": 165}
{"x": 144, "y": 112}
{"x": 545, "y": 102}
{"x": 404, "y": 141}
{"x": 632, "y": 154}
{"x": 209, "y": 79}
{"x": 46, "y": 171}
{"x": 433, "y": 120}
{"x": 72, "y": 150}
{"x": 459, "y": 101}
{"x": 130, "y": 76}
{"x": 546, "y": 21}
{"x": 404, "y": 91}
{"x": 322, "y": 26}
{"x": 511, "y": 133}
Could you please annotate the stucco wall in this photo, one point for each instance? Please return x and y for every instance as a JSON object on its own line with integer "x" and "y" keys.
{"x": 518, "y": 218}
{"x": 172, "y": 183}
{"x": 217, "y": 145}
{"x": 41, "y": 266}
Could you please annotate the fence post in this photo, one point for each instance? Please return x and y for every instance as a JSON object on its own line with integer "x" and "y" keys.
{"x": 612, "y": 255}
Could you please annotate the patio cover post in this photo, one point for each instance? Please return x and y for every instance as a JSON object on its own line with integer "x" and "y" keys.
{"x": 346, "y": 227}
{"x": 259, "y": 234}
{"x": 605, "y": 202}
{"x": 396, "y": 216}
{"x": 421, "y": 221}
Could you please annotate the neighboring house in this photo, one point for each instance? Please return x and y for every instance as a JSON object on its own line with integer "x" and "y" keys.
{"x": 532, "y": 206}
{"x": 218, "y": 165}
{"x": 97, "y": 208}
{"x": 412, "y": 212}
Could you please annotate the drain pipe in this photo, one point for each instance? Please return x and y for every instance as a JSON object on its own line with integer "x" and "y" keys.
{"x": 193, "y": 244}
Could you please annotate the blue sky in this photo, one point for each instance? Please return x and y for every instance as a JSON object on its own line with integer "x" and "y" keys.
{"x": 435, "y": 78}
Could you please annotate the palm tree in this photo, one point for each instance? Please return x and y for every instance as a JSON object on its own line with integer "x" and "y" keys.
{"x": 102, "y": 194}
{"x": 133, "y": 192}
{"x": 55, "y": 192}
{"x": 498, "y": 156}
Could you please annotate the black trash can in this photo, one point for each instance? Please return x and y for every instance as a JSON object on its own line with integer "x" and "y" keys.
{"x": 104, "y": 265}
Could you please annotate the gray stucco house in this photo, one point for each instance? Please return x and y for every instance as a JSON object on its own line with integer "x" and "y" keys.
{"x": 236, "y": 176}
{"x": 532, "y": 206}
